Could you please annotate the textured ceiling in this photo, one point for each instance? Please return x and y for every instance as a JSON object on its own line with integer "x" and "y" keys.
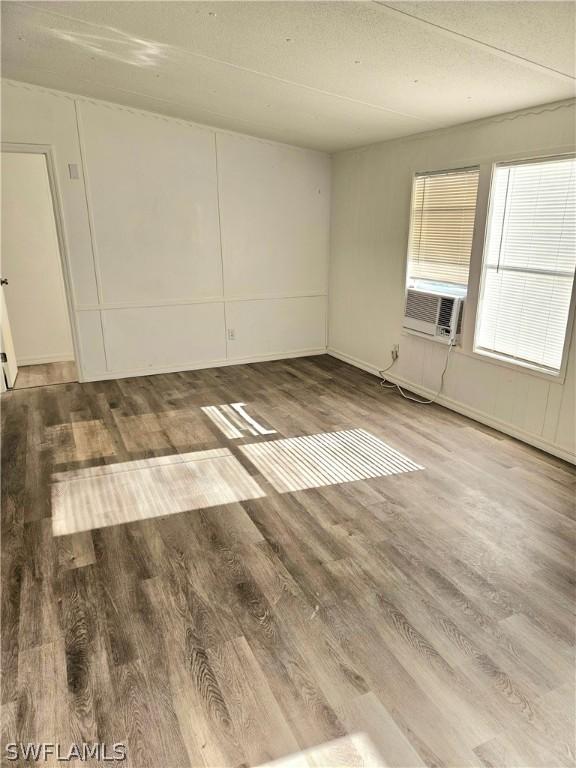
{"x": 326, "y": 75}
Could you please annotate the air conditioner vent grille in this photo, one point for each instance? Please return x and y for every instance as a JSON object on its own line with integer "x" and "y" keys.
{"x": 422, "y": 306}
{"x": 435, "y": 316}
{"x": 445, "y": 314}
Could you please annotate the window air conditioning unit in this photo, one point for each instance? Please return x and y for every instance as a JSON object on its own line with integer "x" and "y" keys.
{"x": 436, "y": 316}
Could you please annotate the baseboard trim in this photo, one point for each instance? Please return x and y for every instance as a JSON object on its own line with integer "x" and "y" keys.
{"x": 455, "y": 405}
{"x": 355, "y": 361}
{"x": 64, "y": 357}
{"x": 106, "y": 375}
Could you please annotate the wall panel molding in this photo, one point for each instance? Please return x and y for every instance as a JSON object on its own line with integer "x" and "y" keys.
{"x": 207, "y": 300}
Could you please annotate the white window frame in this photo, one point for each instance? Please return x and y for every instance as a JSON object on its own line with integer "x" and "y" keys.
{"x": 495, "y": 356}
{"x": 487, "y": 166}
{"x": 450, "y": 287}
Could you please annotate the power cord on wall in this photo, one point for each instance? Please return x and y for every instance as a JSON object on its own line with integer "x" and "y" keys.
{"x": 391, "y": 385}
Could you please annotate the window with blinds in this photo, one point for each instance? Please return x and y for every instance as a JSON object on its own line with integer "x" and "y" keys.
{"x": 441, "y": 226}
{"x": 529, "y": 261}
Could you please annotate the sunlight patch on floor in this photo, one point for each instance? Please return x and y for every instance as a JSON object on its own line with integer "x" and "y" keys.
{"x": 97, "y": 497}
{"x": 355, "y": 750}
{"x": 311, "y": 461}
{"x": 234, "y": 421}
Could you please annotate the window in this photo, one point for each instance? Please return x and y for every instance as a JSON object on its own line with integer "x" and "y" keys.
{"x": 529, "y": 260}
{"x": 441, "y": 227}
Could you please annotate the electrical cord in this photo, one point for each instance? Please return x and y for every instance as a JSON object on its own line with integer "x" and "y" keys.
{"x": 383, "y": 383}
{"x": 391, "y": 385}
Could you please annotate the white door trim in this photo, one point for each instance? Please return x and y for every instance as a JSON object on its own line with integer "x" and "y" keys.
{"x": 48, "y": 151}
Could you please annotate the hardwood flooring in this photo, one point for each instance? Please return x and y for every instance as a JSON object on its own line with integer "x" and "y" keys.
{"x": 44, "y": 374}
{"x": 417, "y": 618}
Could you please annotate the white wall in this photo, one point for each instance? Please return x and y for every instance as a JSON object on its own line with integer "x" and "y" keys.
{"x": 177, "y": 233}
{"x": 35, "y": 295}
{"x": 370, "y": 221}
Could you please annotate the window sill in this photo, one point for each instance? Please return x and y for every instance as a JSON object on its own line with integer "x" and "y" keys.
{"x": 519, "y": 366}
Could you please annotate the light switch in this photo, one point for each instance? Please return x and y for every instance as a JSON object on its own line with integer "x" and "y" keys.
{"x": 73, "y": 171}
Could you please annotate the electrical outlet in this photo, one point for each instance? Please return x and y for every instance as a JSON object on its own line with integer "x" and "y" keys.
{"x": 395, "y": 351}
{"x": 231, "y": 334}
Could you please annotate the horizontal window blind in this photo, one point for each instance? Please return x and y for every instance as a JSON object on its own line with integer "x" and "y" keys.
{"x": 529, "y": 262}
{"x": 442, "y": 225}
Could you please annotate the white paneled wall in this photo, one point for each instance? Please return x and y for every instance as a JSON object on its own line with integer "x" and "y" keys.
{"x": 275, "y": 208}
{"x": 90, "y": 335}
{"x": 153, "y": 199}
{"x": 177, "y": 233}
{"x": 171, "y": 336}
{"x": 272, "y": 326}
{"x": 370, "y": 222}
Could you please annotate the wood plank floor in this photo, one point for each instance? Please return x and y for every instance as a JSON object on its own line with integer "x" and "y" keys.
{"x": 44, "y": 374}
{"x": 419, "y": 618}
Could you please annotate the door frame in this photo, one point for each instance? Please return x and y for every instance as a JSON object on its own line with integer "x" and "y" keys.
{"x": 48, "y": 151}
{"x": 7, "y": 348}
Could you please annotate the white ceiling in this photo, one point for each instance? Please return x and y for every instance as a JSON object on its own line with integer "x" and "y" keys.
{"x": 326, "y": 75}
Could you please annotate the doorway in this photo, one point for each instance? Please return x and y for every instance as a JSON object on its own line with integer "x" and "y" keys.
{"x": 37, "y": 343}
